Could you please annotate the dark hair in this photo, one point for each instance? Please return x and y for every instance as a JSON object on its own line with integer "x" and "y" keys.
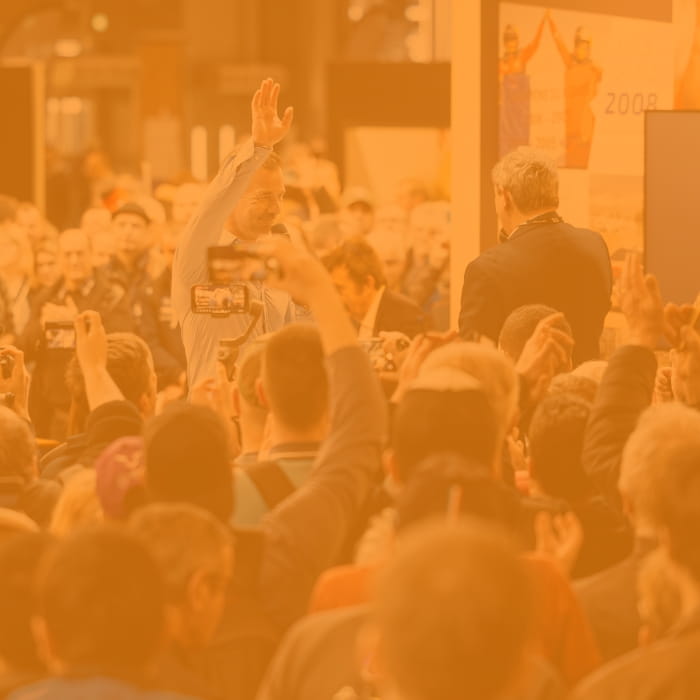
{"x": 556, "y": 442}
{"x": 249, "y": 371}
{"x": 454, "y": 610}
{"x": 294, "y": 376}
{"x": 429, "y": 422}
{"x": 20, "y": 555}
{"x": 17, "y": 446}
{"x": 583, "y": 387}
{"x": 101, "y": 596}
{"x": 187, "y": 459}
{"x": 182, "y": 539}
{"x": 360, "y": 259}
{"x": 427, "y": 494}
{"x": 129, "y": 364}
{"x": 520, "y": 325}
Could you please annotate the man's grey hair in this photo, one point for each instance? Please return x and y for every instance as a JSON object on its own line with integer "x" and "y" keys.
{"x": 531, "y": 178}
{"x": 663, "y": 433}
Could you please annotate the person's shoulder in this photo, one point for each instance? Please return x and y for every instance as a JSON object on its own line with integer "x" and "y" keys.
{"x": 666, "y": 669}
{"x": 399, "y": 301}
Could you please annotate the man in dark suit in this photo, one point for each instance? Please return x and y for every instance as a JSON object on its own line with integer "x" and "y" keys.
{"x": 358, "y": 276}
{"x": 542, "y": 259}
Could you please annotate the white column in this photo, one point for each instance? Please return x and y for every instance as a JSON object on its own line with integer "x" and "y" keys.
{"x": 466, "y": 143}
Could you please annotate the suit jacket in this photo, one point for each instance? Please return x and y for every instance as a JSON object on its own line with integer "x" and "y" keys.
{"x": 541, "y": 263}
{"x": 666, "y": 670}
{"x": 399, "y": 313}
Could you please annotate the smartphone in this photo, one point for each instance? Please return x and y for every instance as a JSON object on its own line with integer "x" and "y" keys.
{"x": 220, "y": 300}
{"x": 59, "y": 335}
{"x": 239, "y": 263}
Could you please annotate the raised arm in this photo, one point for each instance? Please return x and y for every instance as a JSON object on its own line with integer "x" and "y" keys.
{"x": 561, "y": 45}
{"x": 531, "y": 49}
{"x": 306, "y": 533}
{"x": 205, "y": 227}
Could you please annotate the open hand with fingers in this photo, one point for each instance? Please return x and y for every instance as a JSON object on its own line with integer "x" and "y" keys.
{"x": 640, "y": 300}
{"x": 268, "y": 128}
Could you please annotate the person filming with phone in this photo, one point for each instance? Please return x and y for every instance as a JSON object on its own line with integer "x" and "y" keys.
{"x": 49, "y": 338}
{"x": 240, "y": 206}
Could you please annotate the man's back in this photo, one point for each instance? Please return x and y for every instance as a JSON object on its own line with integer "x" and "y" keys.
{"x": 546, "y": 263}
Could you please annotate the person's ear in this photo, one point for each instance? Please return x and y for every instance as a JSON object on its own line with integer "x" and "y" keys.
{"x": 44, "y": 647}
{"x": 508, "y": 203}
{"x": 198, "y": 591}
{"x": 369, "y": 655}
{"x": 260, "y": 393}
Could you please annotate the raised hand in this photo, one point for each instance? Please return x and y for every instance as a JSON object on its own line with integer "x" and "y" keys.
{"x": 640, "y": 300}
{"x": 17, "y": 383}
{"x": 268, "y": 129}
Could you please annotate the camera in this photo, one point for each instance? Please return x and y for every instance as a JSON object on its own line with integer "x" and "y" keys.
{"x": 59, "y": 335}
{"x": 381, "y": 360}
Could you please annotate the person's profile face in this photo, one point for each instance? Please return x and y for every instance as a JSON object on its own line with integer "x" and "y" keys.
{"x": 260, "y": 206}
{"x": 356, "y": 298}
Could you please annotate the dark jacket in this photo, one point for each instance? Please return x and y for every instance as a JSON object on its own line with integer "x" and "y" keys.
{"x": 48, "y": 389}
{"x": 399, "y": 313}
{"x": 156, "y": 327}
{"x": 667, "y": 670}
{"x": 624, "y": 393}
{"x": 549, "y": 263}
{"x": 610, "y": 603}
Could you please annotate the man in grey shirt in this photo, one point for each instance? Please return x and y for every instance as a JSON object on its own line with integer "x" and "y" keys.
{"x": 240, "y": 204}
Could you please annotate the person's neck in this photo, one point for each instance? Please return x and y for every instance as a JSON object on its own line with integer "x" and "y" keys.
{"x": 518, "y": 218}
{"x": 283, "y": 435}
{"x": 689, "y": 591}
{"x": 252, "y": 436}
{"x": 128, "y": 260}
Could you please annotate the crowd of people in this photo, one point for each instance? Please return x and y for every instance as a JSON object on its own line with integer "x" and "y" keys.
{"x": 327, "y": 493}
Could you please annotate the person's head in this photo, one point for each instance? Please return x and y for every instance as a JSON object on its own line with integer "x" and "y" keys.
{"x": 78, "y": 505}
{"x": 251, "y": 410}
{"x": 445, "y": 410}
{"x": 103, "y": 247}
{"x": 16, "y": 257}
{"x": 258, "y": 208}
{"x": 18, "y": 455}
{"x": 555, "y": 438}
{"x": 495, "y": 374}
{"x": 294, "y": 381}
{"x": 195, "y": 554}
{"x": 526, "y": 183}
{"x": 511, "y": 39}
{"x": 570, "y": 383}
{"x": 130, "y": 364}
{"x": 447, "y": 485}
{"x": 188, "y": 460}
{"x": 451, "y": 615}
{"x": 130, "y": 224}
{"x": 358, "y": 210}
{"x": 521, "y": 323}
{"x": 100, "y": 606}
{"x": 391, "y": 251}
{"x": 168, "y": 239}
{"x": 20, "y": 556}
{"x": 30, "y": 220}
{"x": 655, "y": 457}
{"x": 75, "y": 257}
{"x": 582, "y": 44}
{"x": 46, "y": 270}
{"x": 96, "y": 219}
{"x": 673, "y": 490}
{"x": 187, "y": 197}
{"x": 357, "y": 275}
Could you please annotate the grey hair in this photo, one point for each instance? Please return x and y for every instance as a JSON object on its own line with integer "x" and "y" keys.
{"x": 531, "y": 178}
{"x": 662, "y": 434}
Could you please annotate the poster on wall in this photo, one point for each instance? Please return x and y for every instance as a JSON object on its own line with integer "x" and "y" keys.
{"x": 577, "y": 83}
